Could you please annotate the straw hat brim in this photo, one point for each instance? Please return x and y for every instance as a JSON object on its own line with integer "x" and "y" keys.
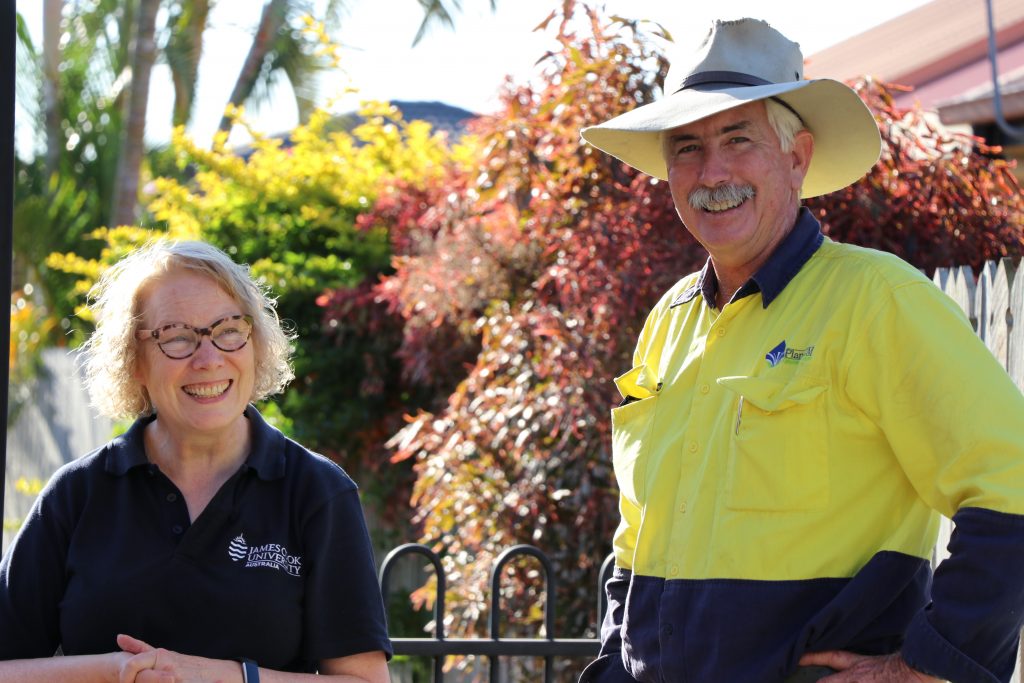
{"x": 846, "y": 139}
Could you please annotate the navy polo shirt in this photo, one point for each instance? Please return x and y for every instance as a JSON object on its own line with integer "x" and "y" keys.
{"x": 278, "y": 568}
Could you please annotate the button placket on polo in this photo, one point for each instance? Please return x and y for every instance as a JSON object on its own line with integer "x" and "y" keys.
{"x": 173, "y": 512}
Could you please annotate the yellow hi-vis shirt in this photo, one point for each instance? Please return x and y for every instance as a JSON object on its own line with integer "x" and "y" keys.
{"x": 782, "y": 469}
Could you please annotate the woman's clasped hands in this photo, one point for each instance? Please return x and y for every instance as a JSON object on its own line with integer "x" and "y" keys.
{"x": 148, "y": 664}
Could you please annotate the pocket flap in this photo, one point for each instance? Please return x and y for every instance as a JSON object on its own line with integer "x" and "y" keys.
{"x": 640, "y": 382}
{"x": 770, "y": 394}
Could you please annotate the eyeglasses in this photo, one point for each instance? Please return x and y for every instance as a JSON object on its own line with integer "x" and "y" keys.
{"x": 180, "y": 340}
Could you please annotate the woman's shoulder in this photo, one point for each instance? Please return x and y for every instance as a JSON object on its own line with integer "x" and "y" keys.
{"x": 304, "y": 463}
{"x": 275, "y": 456}
{"x": 72, "y": 484}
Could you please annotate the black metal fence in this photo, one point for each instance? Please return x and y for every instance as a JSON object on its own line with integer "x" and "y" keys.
{"x": 494, "y": 647}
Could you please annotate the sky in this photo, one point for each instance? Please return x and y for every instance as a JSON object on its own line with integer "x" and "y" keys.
{"x": 465, "y": 67}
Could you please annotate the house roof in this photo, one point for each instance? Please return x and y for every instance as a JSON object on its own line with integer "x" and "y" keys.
{"x": 940, "y": 49}
{"x": 977, "y": 106}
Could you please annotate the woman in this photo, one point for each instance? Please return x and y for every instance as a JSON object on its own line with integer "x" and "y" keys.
{"x": 201, "y": 544}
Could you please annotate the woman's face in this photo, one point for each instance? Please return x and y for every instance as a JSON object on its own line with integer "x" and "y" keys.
{"x": 207, "y": 392}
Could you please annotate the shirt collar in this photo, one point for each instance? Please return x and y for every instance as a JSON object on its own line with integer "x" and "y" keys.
{"x": 128, "y": 450}
{"x": 772, "y": 277}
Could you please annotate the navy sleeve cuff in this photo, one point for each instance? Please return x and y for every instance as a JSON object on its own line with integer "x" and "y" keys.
{"x": 611, "y": 627}
{"x": 970, "y": 631}
{"x": 927, "y": 651}
{"x": 606, "y": 669}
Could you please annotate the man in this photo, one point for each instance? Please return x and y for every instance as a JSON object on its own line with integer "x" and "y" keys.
{"x": 799, "y": 413}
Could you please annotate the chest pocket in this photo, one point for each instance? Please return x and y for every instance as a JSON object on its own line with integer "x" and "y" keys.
{"x": 631, "y": 427}
{"x": 778, "y": 445}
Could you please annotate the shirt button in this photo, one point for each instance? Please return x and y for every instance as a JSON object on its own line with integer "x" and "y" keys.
{"x": 704, "y": 388}
{"x": 693, "y": 447}
{"x": 171, "y": 497}
{"x": 682, "y": 507}
{"x": 177, "y": 528}
{"x": 721, "y": 331}
{"x": 674, "y": 571}
{"x": 667, "y": 629}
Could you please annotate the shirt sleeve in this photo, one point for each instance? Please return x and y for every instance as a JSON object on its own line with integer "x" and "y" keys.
{"x": 344, "y": 611}
{"x": 608, "y": 667}
{"x": 955, "y": 422}
{"x": 32, "y": 579}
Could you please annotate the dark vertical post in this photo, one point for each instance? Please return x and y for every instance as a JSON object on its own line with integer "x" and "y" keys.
{"x": 8, "y": 47}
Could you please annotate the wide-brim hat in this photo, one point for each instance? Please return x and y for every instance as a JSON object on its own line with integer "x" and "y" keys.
{"x": 743, "y": 61}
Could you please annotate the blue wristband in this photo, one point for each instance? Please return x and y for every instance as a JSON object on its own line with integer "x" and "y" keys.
{"x": 250, "y": 671}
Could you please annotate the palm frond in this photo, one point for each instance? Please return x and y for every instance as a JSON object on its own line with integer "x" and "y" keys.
{"x": 434, "y": 12}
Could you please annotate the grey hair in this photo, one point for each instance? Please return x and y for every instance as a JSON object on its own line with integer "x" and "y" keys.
{"x": 784, "y": 121}
{"x": 110, "y": 356}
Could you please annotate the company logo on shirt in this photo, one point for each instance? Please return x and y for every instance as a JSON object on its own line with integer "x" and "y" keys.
{"x": 270, "y": 555}
{"x": 782, "y": 352}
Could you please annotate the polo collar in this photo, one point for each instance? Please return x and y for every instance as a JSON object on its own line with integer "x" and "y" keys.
{"x": 795, "y": 250}
{"x": 128, "y": 450}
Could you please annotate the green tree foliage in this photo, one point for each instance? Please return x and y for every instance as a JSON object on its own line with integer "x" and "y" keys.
{"x": 66, "y": 188}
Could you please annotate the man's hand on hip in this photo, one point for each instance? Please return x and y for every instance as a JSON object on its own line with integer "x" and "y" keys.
{"x": 854, "y": 668}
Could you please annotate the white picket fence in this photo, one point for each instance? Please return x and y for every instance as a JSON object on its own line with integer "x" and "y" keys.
{"x": 994, "y": 302}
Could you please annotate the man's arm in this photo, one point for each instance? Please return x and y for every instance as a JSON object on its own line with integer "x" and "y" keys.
{"x": 608, "y": 667}
{"x": 955, "y": 422}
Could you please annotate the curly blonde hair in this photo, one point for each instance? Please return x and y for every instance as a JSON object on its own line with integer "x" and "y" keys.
{"x": 111, "y": 353}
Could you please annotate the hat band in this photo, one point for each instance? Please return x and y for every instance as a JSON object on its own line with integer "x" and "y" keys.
{"x": 732, "y": 78}
{"x": 723, "y": 77}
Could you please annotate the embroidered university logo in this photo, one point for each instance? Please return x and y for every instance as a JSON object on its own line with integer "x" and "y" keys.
{"x": 269, "y": 555}
{"x": 782, "y": 352}
{"x": 238, "y": 548}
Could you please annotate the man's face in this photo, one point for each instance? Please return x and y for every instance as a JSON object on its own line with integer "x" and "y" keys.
{"x": 734, "y": 188}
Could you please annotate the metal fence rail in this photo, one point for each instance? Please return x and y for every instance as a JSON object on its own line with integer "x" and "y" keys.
{"x": 494, "y": 647}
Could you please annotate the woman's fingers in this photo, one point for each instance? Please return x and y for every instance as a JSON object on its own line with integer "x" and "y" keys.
{"x": 840, "y": 660}
{"x": 132, "y": 645}
{"x": 132, "y": 667}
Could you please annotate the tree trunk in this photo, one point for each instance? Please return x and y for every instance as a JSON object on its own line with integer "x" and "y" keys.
{"x": 126, "y": 185}
{"x": 188, "y": 38}
{"x": 271, "y": 22}
{"x": 51, "y": 84}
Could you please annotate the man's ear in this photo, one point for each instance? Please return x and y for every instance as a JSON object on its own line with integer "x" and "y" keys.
{"x": 803, "y": 150}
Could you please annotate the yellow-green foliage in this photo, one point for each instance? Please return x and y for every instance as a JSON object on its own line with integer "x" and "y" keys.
{"x": 29, "y": 326}
{"x": 289, "y": 211}
{"x": 26, "y": 487}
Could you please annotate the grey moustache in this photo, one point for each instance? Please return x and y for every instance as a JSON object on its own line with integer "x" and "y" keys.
{"x": 715, "y": 199}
